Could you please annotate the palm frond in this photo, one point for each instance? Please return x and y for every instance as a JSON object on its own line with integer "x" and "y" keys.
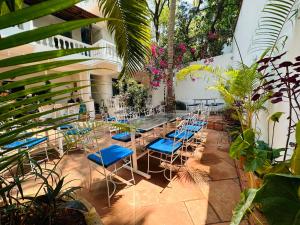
{"x": 19, "y": 114}
{"x": 276, "y": 15}
{"x": 131, "y": 31}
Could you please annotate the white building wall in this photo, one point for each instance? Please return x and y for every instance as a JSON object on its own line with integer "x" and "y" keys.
{"x": 158, "y": 95}
{"x": 48, "y": 20}
{"x": 245, "y": 31}
{"x": 189, "y": 89}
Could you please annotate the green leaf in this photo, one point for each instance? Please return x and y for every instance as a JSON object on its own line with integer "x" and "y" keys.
{"x": 37, "y": 79}
{"x": 275, "y": 15}
{"x": 40, "y": 56}
{"x": 275, "y": 117}
{"x": 44, "y": 32}
{"x": 295, "y": 161}
{"x": 35, "y": 11}
{"x": 58, "y": 187}
{"x": 33, "y": 90}
{"x": 38, "y": 68}
{"x": 279, "y": 199}
{"x": 131, "y": 31}
{"x": 243, "y": 206}
{"x": 242, "y": 144}
{"x": 256, "y": 160}
{"x": 7, "y": 107}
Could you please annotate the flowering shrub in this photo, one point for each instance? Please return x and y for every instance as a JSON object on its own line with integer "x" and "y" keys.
{"x": 158, "y": 62}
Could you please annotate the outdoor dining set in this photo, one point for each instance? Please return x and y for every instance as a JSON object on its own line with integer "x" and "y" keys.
{"x": 126, "y": 129}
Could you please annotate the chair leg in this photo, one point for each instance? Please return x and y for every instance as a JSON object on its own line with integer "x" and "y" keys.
{"x": 46, "y": 152}
{"x": 171, "y": 168}
{"x": 131, "y": 169}
{"x": 107, "y": 186}
{"x": 90, "y": 177}
{"x": 148, "y": 166}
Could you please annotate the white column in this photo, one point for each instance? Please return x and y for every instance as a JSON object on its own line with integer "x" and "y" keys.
{"x": 86, "y": 93}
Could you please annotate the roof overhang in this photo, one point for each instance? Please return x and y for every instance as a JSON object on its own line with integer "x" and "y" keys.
{"x": 72, "y": 13}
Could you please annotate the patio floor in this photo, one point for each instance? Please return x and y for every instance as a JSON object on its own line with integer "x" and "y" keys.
{"x": 204, "y": 192}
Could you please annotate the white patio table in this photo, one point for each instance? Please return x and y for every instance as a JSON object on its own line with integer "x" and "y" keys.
{"x": 146, "y": 124}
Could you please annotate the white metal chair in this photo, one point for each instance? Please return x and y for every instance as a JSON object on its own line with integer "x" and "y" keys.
{"x": 106, "y": 158}
{"x": 167, "y": 149}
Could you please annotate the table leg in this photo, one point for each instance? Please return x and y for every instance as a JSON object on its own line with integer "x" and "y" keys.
{"x": 60, "y": 144}
{"x": 165, "y": 129}
{"x": 135, "y": 158}
{"x": 59, "y": 149}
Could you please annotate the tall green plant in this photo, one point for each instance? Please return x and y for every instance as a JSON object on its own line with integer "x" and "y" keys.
{"x": 279, "y": 197}
{"x": 131, "y": 31}
{"x": 235, "y": 86}
{"x": 275, "y": 16}
{"x": 19, "y": 115}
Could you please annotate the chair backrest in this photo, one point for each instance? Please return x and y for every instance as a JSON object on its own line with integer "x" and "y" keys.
{"x": 91, "y": 142}
{"x": 73, "y": 110}
{"x": 46, "y": 108}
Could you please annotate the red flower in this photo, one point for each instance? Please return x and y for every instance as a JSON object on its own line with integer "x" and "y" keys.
{"x": 161, "y": 51}
{"x": 163, "y": 64}
{"x": 155, "y": 71}
{"x": 153, "y": 50}
{"x": 182, "y": 47}
{"x": 212, "y": 35}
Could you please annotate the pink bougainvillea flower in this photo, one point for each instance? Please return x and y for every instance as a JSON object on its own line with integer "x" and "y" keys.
{"x": 182, "y": 47}
{"x": 153, "y": 50}
{"x": 163, "y": 64}
{"x": 179, "y": 59}
{"x": 161, "y": 51}
{"x": 155, "y": 71}
{"x": 193, "y": 50}
{"x": 212, "y": 35}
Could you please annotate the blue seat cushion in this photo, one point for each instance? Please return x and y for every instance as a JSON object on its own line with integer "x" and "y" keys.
{"x": 163, "y": 145}
{"x": 66, "y": 126}
{"x": 78, "y": 131}
{"x": 122, "y": 121}
{"x": 192, "y": 128}
{"x": 26, "y": 143}
{"x": 112, "y": 118}
{"x": 200, "y": 123}
{"x": 184, "y": 135}
{"x": 110, "y": 155}
{"x": 124, "y": 136}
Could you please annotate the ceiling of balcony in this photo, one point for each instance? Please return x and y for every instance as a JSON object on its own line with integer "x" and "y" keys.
{"x": 72, "y": 13}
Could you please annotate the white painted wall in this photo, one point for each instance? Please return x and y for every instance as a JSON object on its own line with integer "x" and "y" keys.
{"x": 47, "y": 20}
{"x": 187, "y": 90}
{"x": 245, "y": 30}
{"x": 158, "y": 95}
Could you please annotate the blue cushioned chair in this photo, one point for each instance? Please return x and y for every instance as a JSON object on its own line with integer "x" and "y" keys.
{"x": 165, "y": 147}
{"x": 185, "y": 135}
{"x": 192, "y": 128}
{"x": 29, "y": 144}
{"x": 124, "y": 136}
{"x": 107, "y": 157}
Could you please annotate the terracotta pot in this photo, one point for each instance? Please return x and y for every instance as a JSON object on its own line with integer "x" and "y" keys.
{"x": 91, "y": 217}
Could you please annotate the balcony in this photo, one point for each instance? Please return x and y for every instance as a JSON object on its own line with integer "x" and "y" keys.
{"x": 107, "y": 51}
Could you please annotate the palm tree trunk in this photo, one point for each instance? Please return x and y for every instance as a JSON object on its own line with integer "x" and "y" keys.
{"x": 171, "y": 26}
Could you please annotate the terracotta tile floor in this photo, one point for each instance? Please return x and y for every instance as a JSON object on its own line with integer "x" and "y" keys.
{"x": 203, "y": 192}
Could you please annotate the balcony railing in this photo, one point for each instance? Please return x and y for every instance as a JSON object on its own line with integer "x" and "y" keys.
{"x": 61, "y": 42}
{"x": 106, "y": 52}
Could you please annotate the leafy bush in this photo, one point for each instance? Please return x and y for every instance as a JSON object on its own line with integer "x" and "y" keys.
{"x": 134, "y": 94}
{"x": 180, "y": 105}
